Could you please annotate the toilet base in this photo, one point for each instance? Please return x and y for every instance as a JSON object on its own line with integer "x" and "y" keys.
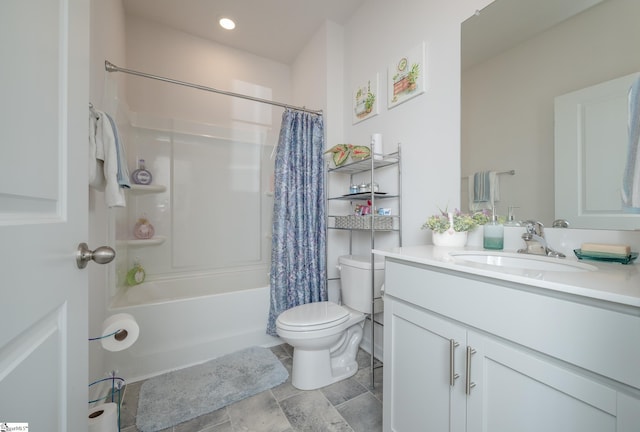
{"x": 313, "y": 369}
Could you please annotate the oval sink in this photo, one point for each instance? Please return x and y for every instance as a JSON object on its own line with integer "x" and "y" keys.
{"x": 509, "y": 260}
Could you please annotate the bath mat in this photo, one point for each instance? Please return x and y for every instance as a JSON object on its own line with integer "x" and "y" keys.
{"x": 185, "y": 394}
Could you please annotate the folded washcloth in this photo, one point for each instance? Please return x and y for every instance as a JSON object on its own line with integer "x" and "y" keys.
{"x": 631, "y": 179}
{"x": 483, "y": 190}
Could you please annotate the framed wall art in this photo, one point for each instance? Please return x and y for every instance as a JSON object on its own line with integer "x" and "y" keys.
{"x": 365, "y": 100}
{"x": 406, "y": 76}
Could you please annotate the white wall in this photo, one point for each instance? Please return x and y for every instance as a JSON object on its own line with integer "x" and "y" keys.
{"x": 159, "y": 50}
{"x": 428, "y": 126}
{"x": 508, "y": 120}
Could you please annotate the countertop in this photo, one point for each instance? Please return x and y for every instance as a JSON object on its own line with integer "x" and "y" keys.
{"x": 613, "y": 282}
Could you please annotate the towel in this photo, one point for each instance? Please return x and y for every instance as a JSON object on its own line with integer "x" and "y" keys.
{"x": 107, "y": 166}
{"x": 484, "y": 190}
{"x": 631, "y": 179}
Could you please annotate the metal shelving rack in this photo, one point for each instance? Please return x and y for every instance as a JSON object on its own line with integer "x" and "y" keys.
{"x": 371, "y": 165}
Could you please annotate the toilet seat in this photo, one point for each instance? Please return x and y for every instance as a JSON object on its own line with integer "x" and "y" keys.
{"x": 312, "y": 316}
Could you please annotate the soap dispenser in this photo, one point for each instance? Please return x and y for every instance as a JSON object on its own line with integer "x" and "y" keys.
{"x": 511, "y": 218}
{"x": 493, "y": 234}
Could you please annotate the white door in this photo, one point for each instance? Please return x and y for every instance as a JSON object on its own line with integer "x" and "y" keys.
{"x": 591, "y": 139}
{"x": 44, "y": 88}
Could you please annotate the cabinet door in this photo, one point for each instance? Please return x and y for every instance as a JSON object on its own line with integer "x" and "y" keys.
{"x": 518, "y": 390}
{"x": 417, "y": 391}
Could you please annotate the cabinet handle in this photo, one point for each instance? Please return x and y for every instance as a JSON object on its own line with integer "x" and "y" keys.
{"x": 469, "y": 384}
{"x": 452, "y": 355}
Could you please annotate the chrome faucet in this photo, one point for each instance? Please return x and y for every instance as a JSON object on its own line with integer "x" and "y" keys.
{"x": 536, "y": 244}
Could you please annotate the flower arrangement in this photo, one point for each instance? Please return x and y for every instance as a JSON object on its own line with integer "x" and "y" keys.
{"x": 460, "y": 222}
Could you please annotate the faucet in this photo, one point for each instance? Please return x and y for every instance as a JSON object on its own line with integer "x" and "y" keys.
{"x": 535, "y": 241}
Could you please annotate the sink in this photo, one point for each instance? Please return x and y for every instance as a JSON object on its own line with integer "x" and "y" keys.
{"x": 508, "y": 260}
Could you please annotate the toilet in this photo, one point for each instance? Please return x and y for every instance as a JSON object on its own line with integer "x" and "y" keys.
{"x": 325, "y": 336}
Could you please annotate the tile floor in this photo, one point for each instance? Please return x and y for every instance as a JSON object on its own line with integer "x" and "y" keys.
{"x": 346, "y": 406}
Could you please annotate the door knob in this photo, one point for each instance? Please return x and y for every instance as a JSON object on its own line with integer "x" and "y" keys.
{"x": 102, "y": 255}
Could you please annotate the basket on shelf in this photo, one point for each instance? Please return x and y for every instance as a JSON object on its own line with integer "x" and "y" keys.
{"x": 364, "y": 222}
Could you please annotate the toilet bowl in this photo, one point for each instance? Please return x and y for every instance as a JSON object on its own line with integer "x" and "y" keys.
{"x": 326, "y": 336}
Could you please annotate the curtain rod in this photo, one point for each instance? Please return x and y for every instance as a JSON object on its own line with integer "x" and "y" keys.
{"x": 110, "y": 67}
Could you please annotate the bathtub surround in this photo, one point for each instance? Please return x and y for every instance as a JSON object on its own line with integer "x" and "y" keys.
{"x": 298, "y": 251}
{"x": 182, "y": 395}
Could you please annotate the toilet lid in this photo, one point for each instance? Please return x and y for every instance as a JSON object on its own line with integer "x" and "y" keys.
{"x": 311, "y": 316}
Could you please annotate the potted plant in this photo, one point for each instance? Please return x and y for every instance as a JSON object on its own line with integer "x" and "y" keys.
{"x": 451, "y": 228}
{"x": 412, "y": 76}
{"x": 368, "y": 103}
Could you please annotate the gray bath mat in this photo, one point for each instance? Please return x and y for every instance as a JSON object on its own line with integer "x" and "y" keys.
{"x": 185, "y": 394}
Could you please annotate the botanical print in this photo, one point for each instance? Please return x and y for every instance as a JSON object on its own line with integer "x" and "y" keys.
{"x": 406, "y": 77}
{"x": 365, "y": 100}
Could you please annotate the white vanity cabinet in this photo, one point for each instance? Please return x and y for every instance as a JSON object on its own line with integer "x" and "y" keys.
{"x": 469, "y": 353}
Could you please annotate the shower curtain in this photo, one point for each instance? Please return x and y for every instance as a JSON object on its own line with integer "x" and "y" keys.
{"x": 298, "y": 257}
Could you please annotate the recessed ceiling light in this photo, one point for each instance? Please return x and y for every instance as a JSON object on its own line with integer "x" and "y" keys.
{"x": 227, "y": 23}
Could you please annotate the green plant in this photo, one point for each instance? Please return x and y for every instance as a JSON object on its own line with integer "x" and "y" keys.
{"x": 413, "y": 74}
{"x": 440, "y": 223}
{"x": 368, "y": 103}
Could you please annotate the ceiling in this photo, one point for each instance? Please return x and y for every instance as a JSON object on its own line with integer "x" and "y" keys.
{"x": 275, "y": 29}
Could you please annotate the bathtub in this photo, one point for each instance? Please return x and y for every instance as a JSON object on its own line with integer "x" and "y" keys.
{"x": 190, "y": 320}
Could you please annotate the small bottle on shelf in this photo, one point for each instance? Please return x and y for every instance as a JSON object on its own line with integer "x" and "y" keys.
{"x": 511, "y": 221}
{"x": 141, "y": 175}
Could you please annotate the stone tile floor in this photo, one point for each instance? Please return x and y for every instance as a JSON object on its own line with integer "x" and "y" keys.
{"x": 350, "y": 405}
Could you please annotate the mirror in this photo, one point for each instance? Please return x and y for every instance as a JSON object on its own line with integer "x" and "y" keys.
{"x": 517, "y": 57}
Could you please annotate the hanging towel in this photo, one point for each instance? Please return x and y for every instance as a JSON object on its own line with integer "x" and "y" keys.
{"x": 631, "y": 179}
{"x": 107, "y": 166}
{"x": 483, "y": 190}
{"x": 123, "y": 171}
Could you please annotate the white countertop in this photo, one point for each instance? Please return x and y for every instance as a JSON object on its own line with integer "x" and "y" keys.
{"x": 613, "y": 282}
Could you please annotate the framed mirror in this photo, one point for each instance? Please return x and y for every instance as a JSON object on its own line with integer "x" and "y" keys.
{"x": 518, "y": 56}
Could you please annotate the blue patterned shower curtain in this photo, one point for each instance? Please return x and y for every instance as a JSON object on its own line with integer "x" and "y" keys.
{"x": 298, "y": 257}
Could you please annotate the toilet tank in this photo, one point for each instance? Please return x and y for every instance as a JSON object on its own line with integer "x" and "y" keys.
{"x": 355, "y": 280}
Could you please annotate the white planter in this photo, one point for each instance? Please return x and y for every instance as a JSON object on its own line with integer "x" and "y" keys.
{"x": 450, "y": 239}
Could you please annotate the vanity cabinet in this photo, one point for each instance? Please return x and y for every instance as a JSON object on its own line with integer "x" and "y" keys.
{"x": 474, "y": 354}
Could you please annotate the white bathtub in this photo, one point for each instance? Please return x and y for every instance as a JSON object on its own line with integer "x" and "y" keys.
{"x": 190, "y": 320}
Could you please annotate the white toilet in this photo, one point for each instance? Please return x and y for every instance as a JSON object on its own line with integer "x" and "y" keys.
{"x": 325, "y": 336}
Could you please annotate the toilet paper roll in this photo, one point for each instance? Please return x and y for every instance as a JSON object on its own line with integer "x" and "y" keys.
{"x": 376, "y": 145}
{"x": 103, "y": 418}
{"x": 127, "y": 332}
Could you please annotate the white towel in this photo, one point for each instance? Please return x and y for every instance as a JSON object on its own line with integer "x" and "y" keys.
{"x": 484, "y": 190}
{"x": 104, "y": 154}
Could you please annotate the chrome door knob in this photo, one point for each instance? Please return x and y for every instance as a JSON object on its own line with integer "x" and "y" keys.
{"x": 102, "y": 255}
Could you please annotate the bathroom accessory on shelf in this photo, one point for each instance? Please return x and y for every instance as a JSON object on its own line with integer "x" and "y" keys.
{"x": 143, "y": 229}
{"x": 136, "y": 275}
{"x": 141, "y": 176}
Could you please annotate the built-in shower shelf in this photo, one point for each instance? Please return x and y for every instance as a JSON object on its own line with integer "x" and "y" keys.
{"x": 157, "y": 240}
{"x": 143, "y": 189}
